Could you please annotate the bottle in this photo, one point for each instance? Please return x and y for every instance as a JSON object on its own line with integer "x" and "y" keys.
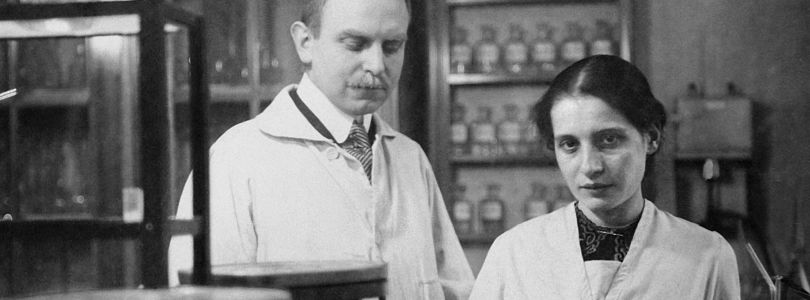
{"x": 516, "y": 52}
{"x": 509, "y": 131}
{"x": 462, "y": 211}
{"x": 459, "y": 131}
{"x": 573, "y": 46}
{"x": 529, "y": 139}
{"x": 492, "y": 211}
{"x": 460, "y": 52}
{"x": 544, "y": 51}
{"x": 484, "y": 141}
{"x": 536, "y": 203}
{"x": 603, "y": 42}
{"x": 77, "y": 74}
{"x": 486, "y": 52}
{"x": 269, "y": 71}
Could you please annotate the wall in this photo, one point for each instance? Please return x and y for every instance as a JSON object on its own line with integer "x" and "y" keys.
{"x": 764, "y": 48}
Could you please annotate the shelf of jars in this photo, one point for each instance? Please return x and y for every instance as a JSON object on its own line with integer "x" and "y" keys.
{"x": 487, "y": 201}
{"x": 495, "y": 59}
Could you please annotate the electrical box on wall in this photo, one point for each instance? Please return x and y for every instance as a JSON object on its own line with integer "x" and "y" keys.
{"x": 714, "y": 127}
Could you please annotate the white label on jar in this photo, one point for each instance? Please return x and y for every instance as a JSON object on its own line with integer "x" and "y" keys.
{"x": 459, "y": 133}
{"x": 488, "y": 54}
{"x": 516, "y": 53}
{"x": 462, "y": 211}
{"x": 544, "y": 52}
{"x": 133, "y": 204}
{"x": 509, "y": 132}
{"x": 602, "y": 47}
{"x": 484, "y": 133}
{"x": 461, "y": 54}
{"x": 491, "y": 211}
{"x": 573, "y": 51}
{"x": 530, "y": 133}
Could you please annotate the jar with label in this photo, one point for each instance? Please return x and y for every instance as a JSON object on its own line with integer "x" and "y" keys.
{"x": 536, "y": 203}
{"x": 603, "y": 42}
{"x": 487, "y": 53}
{"x": 462, "y": 211}
{"x": 573, "y": 47}
{"x": 509, "y": 131}
{"x": 516, "y": 52}
{"x": 484, "y": 141}
{"x": 459, "y": 131}
{"x": 544, "y": 51}
{"x": 460, "y": 52}
{"x": 269, "y": 67}
{"x": 491, "y": 211}
{"x": 529, "y": 140}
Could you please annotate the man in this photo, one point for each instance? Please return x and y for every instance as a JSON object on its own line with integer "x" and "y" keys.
{"x": 285, "y": 186}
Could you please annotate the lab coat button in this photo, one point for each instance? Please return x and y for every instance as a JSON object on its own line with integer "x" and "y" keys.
{"x": 332, "y": 153}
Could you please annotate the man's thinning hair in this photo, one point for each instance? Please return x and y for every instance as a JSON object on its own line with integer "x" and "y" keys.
{"x": 313, "y": 9}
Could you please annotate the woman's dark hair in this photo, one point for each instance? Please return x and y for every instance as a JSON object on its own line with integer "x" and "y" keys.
{"x": 613, "y": 80}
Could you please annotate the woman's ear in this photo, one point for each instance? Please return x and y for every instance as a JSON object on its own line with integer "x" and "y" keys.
{"x": 302, "y": 38}
{"x": 654, "y": 143}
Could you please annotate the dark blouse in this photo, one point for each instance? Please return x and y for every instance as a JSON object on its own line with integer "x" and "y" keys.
{"x": 603, "y": 243}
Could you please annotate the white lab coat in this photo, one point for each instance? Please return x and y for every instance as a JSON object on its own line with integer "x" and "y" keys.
{"x": 280, "y": 191}
{"x": 669, "y": 258}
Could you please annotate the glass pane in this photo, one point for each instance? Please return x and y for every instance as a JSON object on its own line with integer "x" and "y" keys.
{"x": 65, "y": 67}
{"x": 75, "y": 140}
{"x": 227, "y": 49}
{"x": 178, "y": 69}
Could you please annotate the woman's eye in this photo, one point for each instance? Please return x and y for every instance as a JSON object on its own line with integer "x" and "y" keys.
{"x": 609, "y": 140}
{"x": 567, "y": 145}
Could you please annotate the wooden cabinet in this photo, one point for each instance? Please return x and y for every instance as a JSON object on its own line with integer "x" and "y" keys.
{"x": 490, "y": 61}
{"x": 87, "y": 143}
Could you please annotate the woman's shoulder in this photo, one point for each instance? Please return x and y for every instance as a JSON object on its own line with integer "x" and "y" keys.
{"x": 678, "y": 229}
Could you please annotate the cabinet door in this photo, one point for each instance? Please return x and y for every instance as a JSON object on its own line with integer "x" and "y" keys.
{"x": 492, "y": 61}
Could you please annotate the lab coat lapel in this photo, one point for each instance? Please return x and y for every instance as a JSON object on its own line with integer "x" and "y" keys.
{"x": 283, "y": 119}
{"x": 571, "y": 266}
{"x": 634, "y": 254}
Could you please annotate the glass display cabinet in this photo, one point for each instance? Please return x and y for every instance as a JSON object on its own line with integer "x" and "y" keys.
{"x": 110, "y": 109}
{"x": 490, "y": 61}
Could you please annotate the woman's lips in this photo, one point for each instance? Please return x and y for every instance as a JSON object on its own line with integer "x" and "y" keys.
{"x": 595, "y": 186}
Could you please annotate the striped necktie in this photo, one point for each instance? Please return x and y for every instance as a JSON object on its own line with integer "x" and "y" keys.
{"x": 357, "y": 145}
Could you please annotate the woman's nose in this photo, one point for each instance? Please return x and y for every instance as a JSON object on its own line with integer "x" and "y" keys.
{"x": 593, "y": 163}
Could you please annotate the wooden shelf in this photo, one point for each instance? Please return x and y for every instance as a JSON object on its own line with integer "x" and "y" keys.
{"x": 538, "y": 160}
{"x": 110, "y": 228}
{"x": 496, "y": 79}
{"x": 515, "y": 2}
{"x": 53, "y": 97}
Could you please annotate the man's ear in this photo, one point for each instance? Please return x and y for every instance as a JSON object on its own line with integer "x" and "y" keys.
{"x": 302, "y": 38}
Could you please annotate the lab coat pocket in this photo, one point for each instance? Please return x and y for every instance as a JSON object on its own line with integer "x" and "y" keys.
{"x": 432, "y": 290}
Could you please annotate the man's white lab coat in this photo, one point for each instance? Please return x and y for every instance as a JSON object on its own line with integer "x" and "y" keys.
{"x": 280, "y": 191}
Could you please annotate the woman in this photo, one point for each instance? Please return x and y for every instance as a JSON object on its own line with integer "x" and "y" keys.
{"x": 602, "y": 122}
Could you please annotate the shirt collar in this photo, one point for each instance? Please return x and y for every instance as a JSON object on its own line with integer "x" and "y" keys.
{"x": 281, "y": 118}
{"x": 335, "y": 120}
